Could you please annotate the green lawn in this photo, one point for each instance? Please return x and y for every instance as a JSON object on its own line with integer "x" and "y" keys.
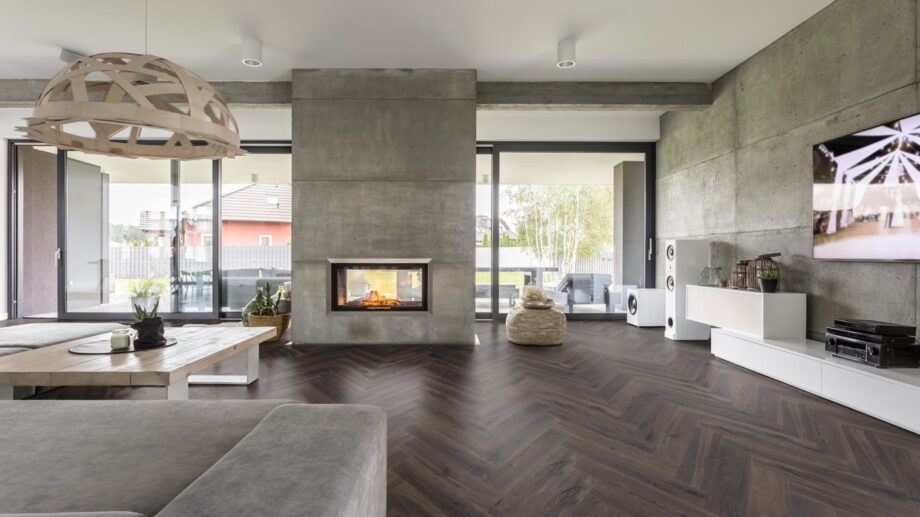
{"x": 504, "y": 277}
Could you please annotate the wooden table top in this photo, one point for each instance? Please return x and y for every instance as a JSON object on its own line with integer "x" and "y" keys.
{"x": 197, "y": 348}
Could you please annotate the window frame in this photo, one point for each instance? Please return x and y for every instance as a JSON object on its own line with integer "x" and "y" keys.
{"x": 13, "y": 237}
{"x": 496, "y": 148}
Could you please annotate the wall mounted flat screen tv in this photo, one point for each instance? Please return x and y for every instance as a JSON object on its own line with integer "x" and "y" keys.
{"x": 866, "y": 194}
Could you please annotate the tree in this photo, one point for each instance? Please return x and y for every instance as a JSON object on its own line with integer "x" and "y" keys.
{"x": 561, "y": 223}
{"x": 126, "y": 233}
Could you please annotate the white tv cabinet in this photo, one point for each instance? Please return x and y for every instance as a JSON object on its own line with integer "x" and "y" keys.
{"x": 892, "y": 395}
{"x": 766, "y": 315}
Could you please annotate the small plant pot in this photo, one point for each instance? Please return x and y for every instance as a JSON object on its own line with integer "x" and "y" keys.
{"x": 150, "y": 333}
{"x": 767, "y": 286}
{"x": 279, "y": 321}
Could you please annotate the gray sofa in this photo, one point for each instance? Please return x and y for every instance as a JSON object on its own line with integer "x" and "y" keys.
{"x": 202, "y": 458}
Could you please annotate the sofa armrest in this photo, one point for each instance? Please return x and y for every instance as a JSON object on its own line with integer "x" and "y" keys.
{"x": 301, "y": 459}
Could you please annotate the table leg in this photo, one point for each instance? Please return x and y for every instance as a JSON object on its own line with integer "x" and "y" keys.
{"x": 252, "y": 373}
{"x": 252, "y": 365}
{"x": 6, "y": 393}
{"x": 177, "y": 390}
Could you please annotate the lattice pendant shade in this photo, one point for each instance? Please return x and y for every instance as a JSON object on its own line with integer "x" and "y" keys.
{"x": 120, "y": 95}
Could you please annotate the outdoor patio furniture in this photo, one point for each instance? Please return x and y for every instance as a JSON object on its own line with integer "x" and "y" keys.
{"x": 584, "y": 288}
{"x": 240, "y": 285}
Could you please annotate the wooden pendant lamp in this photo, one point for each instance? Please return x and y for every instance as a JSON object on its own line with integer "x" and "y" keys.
{"x": 119, "y": 96}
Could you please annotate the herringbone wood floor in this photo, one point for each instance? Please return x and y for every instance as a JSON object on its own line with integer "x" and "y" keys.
{"x": 618, "y": 421}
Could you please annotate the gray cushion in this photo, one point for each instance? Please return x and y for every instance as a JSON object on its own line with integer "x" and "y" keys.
{"x": 37, "y": 335}
{"x": 74, "y": 514}
{"x": 90, "y": 456}
{"x": 12, "y": 350}
{"x": 317, "y": 460}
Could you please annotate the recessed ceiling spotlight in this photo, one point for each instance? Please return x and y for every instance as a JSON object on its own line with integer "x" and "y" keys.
{"x": 252, "y": 52}
{"x": 565, "y": 53}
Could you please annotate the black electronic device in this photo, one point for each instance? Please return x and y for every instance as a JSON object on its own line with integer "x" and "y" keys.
{"x": 875, "y": 338}
{"x": 876, "y": 327}
{"x": 879, "y": 355}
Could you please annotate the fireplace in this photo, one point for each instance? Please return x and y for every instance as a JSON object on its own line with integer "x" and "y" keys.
{"x": 379, "y": 286}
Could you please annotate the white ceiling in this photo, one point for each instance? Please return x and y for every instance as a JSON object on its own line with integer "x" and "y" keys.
{"x": 618, "y": 40}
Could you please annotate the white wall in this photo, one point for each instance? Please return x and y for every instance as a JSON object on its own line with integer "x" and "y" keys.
{"x": 571, "y": 126}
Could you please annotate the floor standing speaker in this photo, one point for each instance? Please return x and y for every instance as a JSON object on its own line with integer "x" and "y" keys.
{"x": 684, "y": 261}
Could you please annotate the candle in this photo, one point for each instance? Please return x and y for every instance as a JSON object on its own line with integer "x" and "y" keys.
{"x": 121, "y": 340}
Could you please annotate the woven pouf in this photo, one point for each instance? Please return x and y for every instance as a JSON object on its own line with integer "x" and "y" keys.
{"x": 535, "y": 324}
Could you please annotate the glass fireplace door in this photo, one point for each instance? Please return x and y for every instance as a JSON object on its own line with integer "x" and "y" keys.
{"x": 370, "y": 287}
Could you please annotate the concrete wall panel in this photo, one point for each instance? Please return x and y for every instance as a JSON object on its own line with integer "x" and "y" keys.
{"x": 385, "y": 139}
{"x": 353, "y": 83}
{"x": 699, "y": 200}
{"x": 384, "y": 219}
{"x": 848, "y": 53}
{"x": 698, "y": 136}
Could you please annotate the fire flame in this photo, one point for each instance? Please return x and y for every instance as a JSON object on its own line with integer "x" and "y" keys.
{"x": 375, "y": 299}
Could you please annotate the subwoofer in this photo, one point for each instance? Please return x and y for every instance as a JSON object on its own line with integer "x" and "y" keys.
{"x": 645, "y": 307}
{"x": 684, "y": 261}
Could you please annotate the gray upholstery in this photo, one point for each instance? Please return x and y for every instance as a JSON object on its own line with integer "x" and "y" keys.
{"x": 317, "y": 460}
{"x": 74, "y": 514}
{"x": 12, "y": 350}
{"x": 86, "y": 456}
{"x": 37, "y": 335}
{"x": 243, "y": 457}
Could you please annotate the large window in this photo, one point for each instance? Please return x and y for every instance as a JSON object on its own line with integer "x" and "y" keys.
{"x": 571, "y": 219}
{"x": 483, "y": 232}
{"x": 96, "y": 235}
{"x": 133, "y": 235}
{"x": 255, "y": 226}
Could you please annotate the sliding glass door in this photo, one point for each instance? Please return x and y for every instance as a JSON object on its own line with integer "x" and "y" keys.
{"x": 255, "y": 225}
{"x": 574, "y": 219}
{"x": 92, "y": 236}
{"x": 484, "y": 202}
{"x": 132, "y": 235}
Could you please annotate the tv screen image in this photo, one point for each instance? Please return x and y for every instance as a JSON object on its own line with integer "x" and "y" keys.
{"x": 866, "y": 194}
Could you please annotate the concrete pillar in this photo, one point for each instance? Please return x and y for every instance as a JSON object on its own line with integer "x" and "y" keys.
{"x": 629, "y": 223}
{"x": 384, "y": 167}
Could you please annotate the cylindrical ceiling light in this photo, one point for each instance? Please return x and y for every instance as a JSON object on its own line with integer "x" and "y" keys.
{"x": 565, "y": 53}
{"x": 252, "y": 52}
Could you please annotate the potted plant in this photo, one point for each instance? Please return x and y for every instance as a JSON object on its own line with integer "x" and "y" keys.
{"x": 262, "y": 311}
{"x": 149, "y": 327}
{"x": 768, "y": 279}
{"x": 145, "y": 293}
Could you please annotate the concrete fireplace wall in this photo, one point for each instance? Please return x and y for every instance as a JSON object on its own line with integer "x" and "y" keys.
{"x": 384, "y": 167}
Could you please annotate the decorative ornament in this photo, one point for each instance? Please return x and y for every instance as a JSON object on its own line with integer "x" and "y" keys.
{"x": 119, "y": 95}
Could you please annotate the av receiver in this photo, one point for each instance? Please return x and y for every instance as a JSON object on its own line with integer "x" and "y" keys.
{"x": 879, "y": 355}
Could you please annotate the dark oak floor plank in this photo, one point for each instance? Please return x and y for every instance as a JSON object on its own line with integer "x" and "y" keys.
{"x": 618, "y": 421}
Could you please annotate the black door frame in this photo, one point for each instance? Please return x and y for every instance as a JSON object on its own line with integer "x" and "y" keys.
{"x": 13, "y": 237}
{"x": 496, "y": 148}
